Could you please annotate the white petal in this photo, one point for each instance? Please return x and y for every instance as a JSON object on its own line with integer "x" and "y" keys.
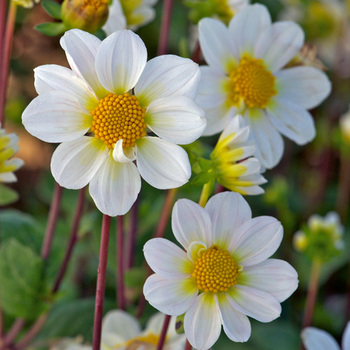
{"x": 318, "y": 339}
{"x": 81, "y": 48}
{"x": 292, "y": 121}
{"x": 238, "y": 126}
{"x": 52, "y": 77}
{"x": 75, "y": 163}
{"x": 155, "y": 323}
{"x": 167, "y": 259}
{"x": 191, "y": 223}
{"x": 115, "y": 187}
{"x": 176, "y": 119}
{"x": 121, "y": 324}
{"x": 162, "y": 164}
{"x": 307, "y": 87}
{"x": 123, "y": 155}
{"x": 167, "y": 75}
{"x": 56, "y": 117}
{"x": 116, "y": 19}
{"x": 254, "y": 303}
{"x": 346, "y": 338}
{"x": 227, "y": 212}
{"x": 279, "y": 44}
{"x": 147, "y": 14}
{"x": 210, "y": 88}
{"x": 268, "y": 141}
{"x": 216, "y": 44}
{"x": 256, "y": 240}
{"x": 272, "y": 276}
{"x": 247, "y": 25}
{"x": 8, "y": 177}
{"x": 172, "y": 297}
{"x": 236, "y": 325}
{"x": 203, "y": 322}
{"x": 217, "y": 119}
{"x": 120, "y": 61}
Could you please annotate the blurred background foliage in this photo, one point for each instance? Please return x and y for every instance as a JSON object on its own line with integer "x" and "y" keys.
{"x": 307, "y": 181}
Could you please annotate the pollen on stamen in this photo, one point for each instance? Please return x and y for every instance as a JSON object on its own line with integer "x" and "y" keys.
{"x": 119, "y": 117}
{"x": 251, "y": 83}
{"x": 215, "y": 271}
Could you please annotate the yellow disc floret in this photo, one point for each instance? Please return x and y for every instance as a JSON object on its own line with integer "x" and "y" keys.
{"x": 119, "y": 117}
{"x": 146, "y": 342}
{"x": 215, "y": 270}
{"x": 251, "y": 83}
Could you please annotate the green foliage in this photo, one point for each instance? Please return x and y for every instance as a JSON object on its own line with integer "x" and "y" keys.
{"x": 21, "y": 280}
{"x": 52, "y": 8}
{"x": 51, "y": 28}
{"x": 7, "y": 195}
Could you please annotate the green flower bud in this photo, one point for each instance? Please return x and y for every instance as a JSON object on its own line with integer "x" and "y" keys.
{"x": 321, "y": 238}
{"x": 88, "y": 15}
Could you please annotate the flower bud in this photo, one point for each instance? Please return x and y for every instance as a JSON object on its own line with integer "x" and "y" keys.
{"x": 88, "y": 15}
{"x": 321, "y": 238}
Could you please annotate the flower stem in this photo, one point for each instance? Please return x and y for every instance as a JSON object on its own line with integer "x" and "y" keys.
{"x": 6, "y": 54}
{"x": 164, "y": 331}
{"x": 169, "y": 200}
{"x": 120, "y": 264}
{"x": 188, "y": 345}
{"x": 206, "y": 192}
{"x": 72, "y": 240}
{"x": 12, "y": 334}
{"x": 165, "y": 26}
{"x": 129, "y": 260}
{"x": 33, "y": 331}
{"x": 52, "y": 220}
{"x": 101, "y": 281}
{"x": 312, "y": 292}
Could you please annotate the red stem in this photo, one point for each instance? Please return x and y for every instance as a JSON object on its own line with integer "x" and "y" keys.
{"x": 33, "y": 331}
{"x": 130, "y": 249}
{"x": 72, "y": 240}
{"x": 101, "y": 281}
{"x": 52, "y": 220}
{"x": 164, "y": 331}
{"x": 165, "y": 26}
{"x": 5, "y": 59}
{"x": 196, "y": 53}
{"x": 12, "y": 334}
{"x": 312, "y": 292}
{"x": 120, "y": 264}
{"x": 188, "y": 345}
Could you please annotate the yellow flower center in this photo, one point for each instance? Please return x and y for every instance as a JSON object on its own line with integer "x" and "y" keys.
{"x": 147, "y": 342}
{"x": 223, "y": 10}
{"x": 251, "y": 83}
{"x": 119, "y": 117}
{"x": 215, "y": 270}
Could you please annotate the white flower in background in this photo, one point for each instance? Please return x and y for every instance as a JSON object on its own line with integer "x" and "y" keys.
{"x": 317, "y": 339}
{"x": 26, "y": 3}
{"x": 245, "y": 76}
{"x": 235, "y": 167}
{"x": 122, "y": 331}
{"x": 8, "y": 148}
{"x": 102, "y": 109}
{"x": 129, "y": 14}
{"x": 224, "y": 275}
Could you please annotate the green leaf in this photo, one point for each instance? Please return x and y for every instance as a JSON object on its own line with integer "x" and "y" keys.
{"x": 179, "y": 325}
{"x": 21, "y": 281}
{"x": 23, "y": 227}
{"x": 52, "y": 8}
{"x": 135, "y": 277}
{"x": 7, "y": 195}
{"x": 51, "y": 28}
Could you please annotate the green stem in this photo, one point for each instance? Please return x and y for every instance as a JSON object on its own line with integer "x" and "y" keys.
{"x": 312, "y": 292}
{"x": 343, "y": 187}
{"x": 206, "y": 192}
